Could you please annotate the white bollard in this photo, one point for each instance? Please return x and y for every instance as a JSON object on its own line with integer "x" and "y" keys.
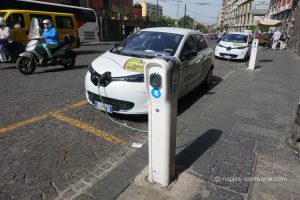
{"x": 253, "y": 54}
{"x": 162, "y": 85}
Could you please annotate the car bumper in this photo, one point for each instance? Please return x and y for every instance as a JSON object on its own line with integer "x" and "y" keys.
{"x": 235, "y": 54}
{"x": 125, "y": 97}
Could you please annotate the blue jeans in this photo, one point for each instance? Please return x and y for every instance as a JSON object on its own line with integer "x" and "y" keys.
{"x": 47, "y": 47}
{"x": 4, "y": 53}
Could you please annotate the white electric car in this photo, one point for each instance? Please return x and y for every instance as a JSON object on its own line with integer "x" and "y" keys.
{"x": 115, "y": 80}
{"x": 235, "y": 46}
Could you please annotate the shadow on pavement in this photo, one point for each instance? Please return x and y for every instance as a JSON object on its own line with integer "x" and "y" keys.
{"x": 10, "y": 67}
{"x": 62, "y": 69}
{"x": 195, "y": 149}
{"x": 265, "y": 60}
{"x": 188, "y": 100}
{"x": 258, "y": 66}
{"x": 132, "y": 118}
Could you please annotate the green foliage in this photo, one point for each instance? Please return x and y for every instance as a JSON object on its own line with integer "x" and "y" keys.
{"x": 263, "y": 28}
{"x": 185, "y": 22}
{"x": 201, "y": 28}
{"x": 152, "y": 17}
{"x": 167, "y": 21}
{"x": 226, "y": 26}
{"x": 114, "y": 9}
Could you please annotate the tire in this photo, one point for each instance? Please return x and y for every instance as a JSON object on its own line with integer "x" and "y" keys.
{"x": 68, "y": 60}
{"x": 247, "y": 57}
{"x": 26, "y": 65}
{"x": 208, "y": 79}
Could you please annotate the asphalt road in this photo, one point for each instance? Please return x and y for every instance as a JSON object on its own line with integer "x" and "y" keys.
{"x": 52, "y": 143}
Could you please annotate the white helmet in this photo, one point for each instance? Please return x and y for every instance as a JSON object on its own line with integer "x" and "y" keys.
{"x": 2, "y": 21}
{"x": 47, "y": 21}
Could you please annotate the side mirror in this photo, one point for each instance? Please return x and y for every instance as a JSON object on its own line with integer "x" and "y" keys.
{"x": 189, "y": 55}
{"x": 116, "y": 44}
{"x": 219, "y": 39}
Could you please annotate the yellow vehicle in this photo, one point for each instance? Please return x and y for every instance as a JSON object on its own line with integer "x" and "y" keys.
{"x": 19, "y": 21}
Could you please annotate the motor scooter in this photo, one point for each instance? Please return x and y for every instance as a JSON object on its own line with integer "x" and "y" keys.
{"x": 13, "y": 49}
{"x": 34, "y": 55}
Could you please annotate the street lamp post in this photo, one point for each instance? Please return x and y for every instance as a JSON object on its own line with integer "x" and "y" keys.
{"x": 122, "y": 18}
{"x": 177, "y": 8}
{"x": 156, "y": 12}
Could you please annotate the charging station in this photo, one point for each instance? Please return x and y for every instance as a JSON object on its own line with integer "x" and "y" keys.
{"x": 253, "y": 54}
{"x": 162, "y": 85}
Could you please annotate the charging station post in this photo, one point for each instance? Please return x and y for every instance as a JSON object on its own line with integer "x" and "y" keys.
{"x": 253, "y": 54}
{"x": 162, "y": 86}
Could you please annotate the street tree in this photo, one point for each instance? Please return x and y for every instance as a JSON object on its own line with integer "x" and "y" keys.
{"x": 185, "y": 22}
{"x": 200, "y": 27}
{"x": 167, "y": 21}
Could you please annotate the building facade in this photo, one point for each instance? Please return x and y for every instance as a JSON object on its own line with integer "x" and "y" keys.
{"x": 284, "y": 11}
{"x": 149, "y": 9}
{"x": 104, "y": 8}
{"x": 237, "y": 14}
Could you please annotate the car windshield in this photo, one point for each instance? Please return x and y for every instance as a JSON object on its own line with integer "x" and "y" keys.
{"x": 2, "y": 14}
{"x": 238, "y": 38}
{"x": 146, "y": 44}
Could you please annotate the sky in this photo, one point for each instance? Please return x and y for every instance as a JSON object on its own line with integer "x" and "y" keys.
{"x": 206, "y": 13}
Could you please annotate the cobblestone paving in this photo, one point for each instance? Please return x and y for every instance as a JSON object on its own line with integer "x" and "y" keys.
{"x": 230, "y": 140}
{"x": 43, "y": 155}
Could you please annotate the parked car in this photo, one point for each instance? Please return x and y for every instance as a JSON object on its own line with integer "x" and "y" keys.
{"x": 265, "y": 39}
{"x": 235, "y": 46}
{"x": 115, "y": 80}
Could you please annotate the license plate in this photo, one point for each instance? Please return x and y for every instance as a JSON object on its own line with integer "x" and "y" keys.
{"x": 225, "y": 56}
{"x": 103, "y": 107}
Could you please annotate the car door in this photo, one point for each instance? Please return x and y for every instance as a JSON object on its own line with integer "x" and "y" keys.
{"x": 204, "y": 55}
{"x": 189, "y": 71}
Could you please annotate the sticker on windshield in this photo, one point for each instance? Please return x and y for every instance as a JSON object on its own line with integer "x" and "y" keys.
{"x": 237, "y": 45}
{"x": 134, "y": 65}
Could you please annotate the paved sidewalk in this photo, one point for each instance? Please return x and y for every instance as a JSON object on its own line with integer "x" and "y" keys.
{"x": 230, "y": 142}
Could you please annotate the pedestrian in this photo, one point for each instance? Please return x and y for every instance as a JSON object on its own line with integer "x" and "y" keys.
{"x": 51, "y": 37}
{"x": 275, "y": 39}
{"x": 5, "y": 39}
{"x": 136, "y": 29}
{"x": 283, "y": 39}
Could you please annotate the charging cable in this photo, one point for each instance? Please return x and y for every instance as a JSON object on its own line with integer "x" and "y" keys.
{"x": 122, "y": 124}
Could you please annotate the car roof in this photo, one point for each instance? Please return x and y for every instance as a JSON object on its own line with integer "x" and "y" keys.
{"x": 240, "y": 33}
{"x": 181, "y": 31}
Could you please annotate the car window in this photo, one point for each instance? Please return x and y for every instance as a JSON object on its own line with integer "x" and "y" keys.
{"x": 149, "y": 44}
{"x": 238, "y": 38}
{"x": 2, "y": 14}
{"x": 201, "y": 43}
{"x": 40, "y": 18}
{"x": 189, "y": 45}
{"x": 64, "y": 22}
{"x": 16, "y": 20}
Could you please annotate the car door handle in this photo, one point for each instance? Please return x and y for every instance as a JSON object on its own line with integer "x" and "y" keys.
{"x": 204, "y": 56}
{"x": 198, "y": 61}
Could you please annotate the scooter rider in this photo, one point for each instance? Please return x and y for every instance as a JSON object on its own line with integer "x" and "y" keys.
{"x": 51, "y": 37}
{"x": 5, "y": 38}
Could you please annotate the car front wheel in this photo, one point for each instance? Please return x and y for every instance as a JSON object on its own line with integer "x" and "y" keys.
{"x": 208, "y": 79}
